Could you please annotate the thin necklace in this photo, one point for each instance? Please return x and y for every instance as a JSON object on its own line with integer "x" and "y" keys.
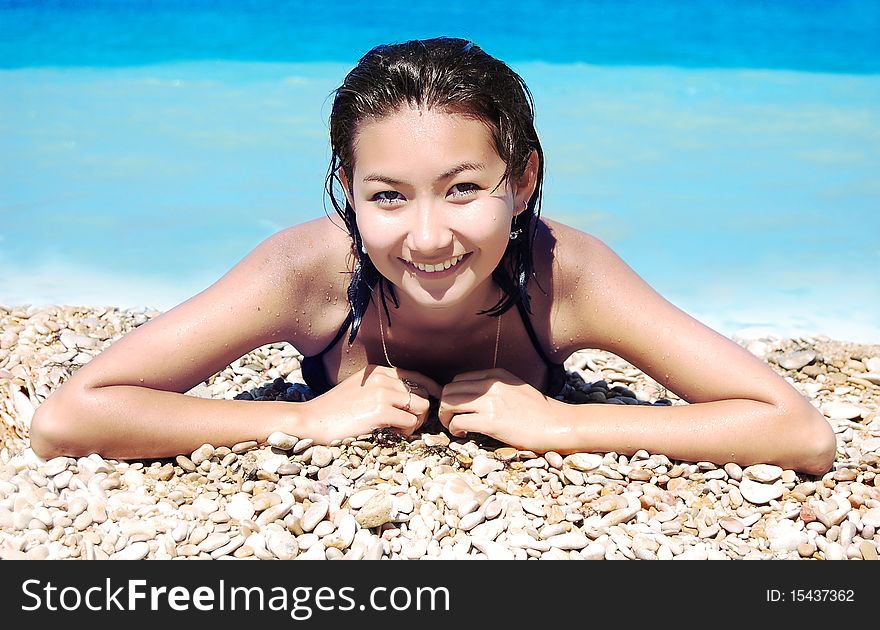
{"x": 494, "y": 358}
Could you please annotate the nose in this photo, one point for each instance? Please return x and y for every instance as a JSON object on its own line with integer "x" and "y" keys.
{"x": 429, "y": 234}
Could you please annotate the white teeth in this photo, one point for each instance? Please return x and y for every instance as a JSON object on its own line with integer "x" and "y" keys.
{"x": 439, "y": 267}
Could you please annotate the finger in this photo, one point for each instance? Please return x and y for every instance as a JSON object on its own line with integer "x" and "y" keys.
{"x": 400, "y": 420}
{"x": 449, "y": 408}
{"x": 463, "y": 423}
{"x": 413, "y": 403}
{"x": 426, "y": 385}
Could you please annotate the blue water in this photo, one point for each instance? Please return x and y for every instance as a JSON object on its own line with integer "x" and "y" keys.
{"x": 728, "y": 151}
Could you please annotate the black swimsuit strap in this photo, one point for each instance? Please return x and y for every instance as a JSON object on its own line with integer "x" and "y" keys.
{"x": 531, "y": 331}
{"x": 339, "y": 335}
{"x": 313, "y": 371}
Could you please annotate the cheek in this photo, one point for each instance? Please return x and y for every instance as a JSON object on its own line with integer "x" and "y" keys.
{"x": 375, "y": 232}
{"x": 489, "y": 228}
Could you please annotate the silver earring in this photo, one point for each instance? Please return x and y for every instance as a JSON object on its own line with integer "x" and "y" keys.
{"x": 363, "y": 248}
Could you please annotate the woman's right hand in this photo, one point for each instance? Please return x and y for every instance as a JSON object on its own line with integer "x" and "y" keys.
{"x": 372, "y": 398}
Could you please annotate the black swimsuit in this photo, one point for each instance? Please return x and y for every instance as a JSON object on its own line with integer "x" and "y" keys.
{"x": 315, "y": 374}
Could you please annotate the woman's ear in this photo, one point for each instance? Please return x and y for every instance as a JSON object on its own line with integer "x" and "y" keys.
{"x": 525, "y": 185}
{"x": 343, "y": 179}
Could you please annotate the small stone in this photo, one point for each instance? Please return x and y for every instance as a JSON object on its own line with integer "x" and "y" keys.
{"x": 281, "y": 440}
{"x": 272, "y": 463}
{"x": 873, "y": 378}
{"x": 493, "y": 550}
{"x": 459, "y": 495}
{"x": 732, "y": 525}
{"x": 569, "y": 540}
{"x": 282, "y": 545}
{"x": 483, "y": 465}
{"x": 321, "y": 456}
{"x": 242, "y": 447}
{"x": 868, "y": 550}
{"x": 845, "y": 474}
{"x": 841, "y": 410}
{"x": 584, "y": 462}
{"x": 376, "y": 511}
{"x": 213, "y": 542}
{"x": 807, "y": 514}
{"x": 733, "y": 471}
{"x": 796, "y": 360}
{"x": 759, "y": 493}
{"x": 871, "y": 518}
{"x": 469, "y": 521}
{"x": 640, "y": 474}
{"x": 201, "y": 454}
{"x": 274, "y": 513}
{"x": 56, "y": 465}
{"x": 135, "y": 551}
{"x": 360, "y": 498}
{"x": 185, "y": 463}
{"x": 302, "y": 445}
{"x": 765, "y": 473}
{"x": 314, "y": 515}
{"x": 784, "y": 536}
{"x": 240, "y": 508}
{"x": 437, "y": 440}
{"x": 506, "y": 454}
{"x": 554, "y": 459}
{"x": 806, "y": 550}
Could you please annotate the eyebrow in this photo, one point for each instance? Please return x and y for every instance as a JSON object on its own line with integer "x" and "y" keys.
{"x": 455, "y": 170}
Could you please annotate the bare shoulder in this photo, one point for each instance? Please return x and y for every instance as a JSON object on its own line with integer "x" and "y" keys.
{"x": 594, "y": 289}
{"x": 314, "y": 261}
{"x": 602, "y": 303}
{"x": 568, "y": 265}
{"x": 288, "y": 288}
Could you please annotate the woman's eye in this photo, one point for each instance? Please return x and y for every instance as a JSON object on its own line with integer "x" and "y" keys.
{"x": 464, "y": 189}
{"x": 385, "y": 197}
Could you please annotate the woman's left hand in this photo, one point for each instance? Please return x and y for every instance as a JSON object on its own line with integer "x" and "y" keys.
{"x": 498, "y": 404}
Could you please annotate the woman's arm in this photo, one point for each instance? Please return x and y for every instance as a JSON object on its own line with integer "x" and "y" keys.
{"x": 740, "y": 411}
{"x": 128, "y": 401}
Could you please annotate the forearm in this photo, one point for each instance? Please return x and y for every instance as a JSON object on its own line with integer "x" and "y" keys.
{"x": 793, "y": 436}
{"x": 128, "y": 422}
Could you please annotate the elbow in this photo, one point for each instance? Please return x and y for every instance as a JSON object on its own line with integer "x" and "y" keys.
{"x": 46, "y": 433}
{"x": 819, "y": 448}
{"x": 52, "y": 431}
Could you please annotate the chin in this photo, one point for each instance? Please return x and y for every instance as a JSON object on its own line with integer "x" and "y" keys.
{"x": 436, "y": 298}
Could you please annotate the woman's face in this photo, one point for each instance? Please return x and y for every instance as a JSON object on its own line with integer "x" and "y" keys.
{"x": 426, "y": 202}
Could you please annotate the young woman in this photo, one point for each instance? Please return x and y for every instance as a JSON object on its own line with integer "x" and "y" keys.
{"x": 438, "y": 280}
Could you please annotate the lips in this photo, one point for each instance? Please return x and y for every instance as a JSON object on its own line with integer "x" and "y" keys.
{"x": 439, "y": 270}
{"x": 437, "y": 267}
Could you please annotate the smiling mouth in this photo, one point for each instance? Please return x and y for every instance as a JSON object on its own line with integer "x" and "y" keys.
{"x": 439, "y": 267}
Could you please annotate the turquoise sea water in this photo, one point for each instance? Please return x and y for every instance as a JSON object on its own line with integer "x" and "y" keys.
{"x": 727, "y": 151}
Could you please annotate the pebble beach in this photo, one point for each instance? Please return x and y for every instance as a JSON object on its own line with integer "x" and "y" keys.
{"x": 379, "y": 496}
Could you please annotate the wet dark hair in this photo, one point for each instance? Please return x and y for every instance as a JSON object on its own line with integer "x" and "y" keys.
{"x": 452, "y": 75}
